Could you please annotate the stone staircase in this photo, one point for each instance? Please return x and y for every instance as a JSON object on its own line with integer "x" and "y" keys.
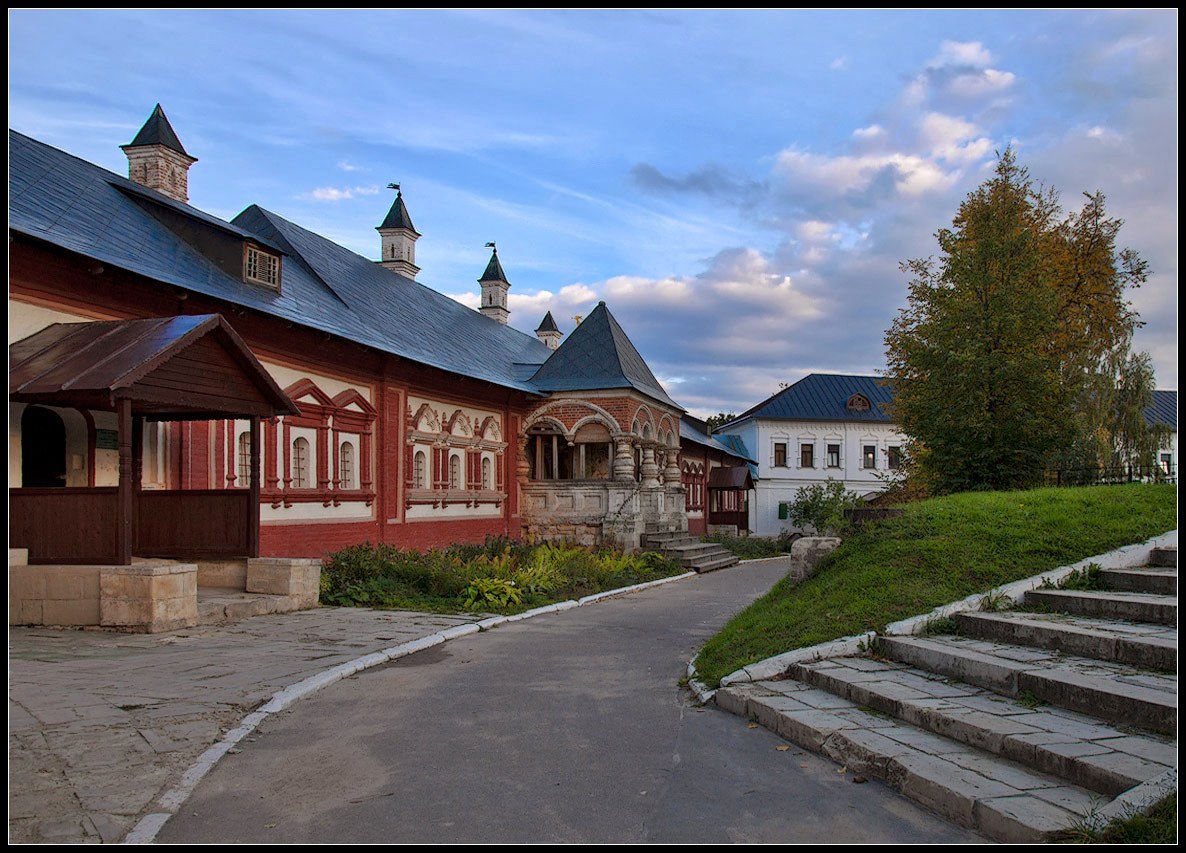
{"x": 1019, "y": 723}
{"x": 692, "y": 554}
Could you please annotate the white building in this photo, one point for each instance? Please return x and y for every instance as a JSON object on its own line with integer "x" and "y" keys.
{"x": 822, "y": 427}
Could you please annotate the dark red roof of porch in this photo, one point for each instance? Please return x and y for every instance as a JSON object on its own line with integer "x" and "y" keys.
{"x": 172, "y": 368}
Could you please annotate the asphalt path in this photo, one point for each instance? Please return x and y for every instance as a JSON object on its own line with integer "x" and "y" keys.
{"x": 566, "y": 728}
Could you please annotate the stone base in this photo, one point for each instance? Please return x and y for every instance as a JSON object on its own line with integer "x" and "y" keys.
{"x": 53, "y": 595}
{"x": 150, "y": 597}
{"x": 226, "y": 574}
{"x": 296, "y": 577}
{"x": 807, "y": 553}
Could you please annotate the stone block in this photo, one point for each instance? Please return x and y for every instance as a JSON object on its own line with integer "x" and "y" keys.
{"x": 296, "y": 577}
{"x": 77, "y": 611}
{"x": 18, "y": 557}
{"x": 149, "y": 597}
{"x": 226, "y": 574}
{"x": 1021, "y": 819}
{"x": 807, "y": 553}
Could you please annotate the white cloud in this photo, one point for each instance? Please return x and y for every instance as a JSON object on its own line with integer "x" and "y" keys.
{"x": 837, "y": 176}
{"x": 962, "y": 53}
{"x": 989, "y": 81}
{"x": 348, "y": 167}
{"x": 840, "y": 63}
{"x": 340, "y": 193}
{"x": 871, "y": 132}
{"x": 953, "y": 139}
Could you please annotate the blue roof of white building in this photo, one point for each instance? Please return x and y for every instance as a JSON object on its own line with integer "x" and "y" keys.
{"x": 826, "y": 397}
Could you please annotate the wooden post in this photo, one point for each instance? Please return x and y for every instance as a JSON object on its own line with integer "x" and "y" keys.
{"x": 253, "y": 492}
{"x": 123, "y": 515}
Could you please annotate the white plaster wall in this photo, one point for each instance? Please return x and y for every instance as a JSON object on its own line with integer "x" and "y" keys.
{"x": 779, "y": 484}
{"x": 331, "y": 385}
{"x": 422, "y": 512}
{"x": 25, "y": 318}
{"x": 445, "y": 411}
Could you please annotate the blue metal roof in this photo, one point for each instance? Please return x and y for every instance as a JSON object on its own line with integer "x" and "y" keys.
{"x": 1164, "y": 411}
{"x": 688, "y": 430}
{"x": 825, "y": 397}
{"x": 598, "y": 355}
{"x": 83, "y": 208}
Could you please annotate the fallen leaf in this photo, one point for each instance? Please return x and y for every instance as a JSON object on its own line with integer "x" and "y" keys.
{"x": 859, "y": 779}
{"x": 842, "y": 770}
{"x": 269, "y": 826}
{"x": 783, "y": 748}
{"x": 804, "y": 766}
{"x": 751, "y": 725}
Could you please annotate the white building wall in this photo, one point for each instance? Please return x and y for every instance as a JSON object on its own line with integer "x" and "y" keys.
{"x": 778, "y": 484}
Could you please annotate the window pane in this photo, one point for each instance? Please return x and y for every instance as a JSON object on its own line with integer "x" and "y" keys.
{"x": 870, "y": 456}
{"x": 833, "y": 455}
{"x": 807, "y": 455}
{"x": 780, "y": 455}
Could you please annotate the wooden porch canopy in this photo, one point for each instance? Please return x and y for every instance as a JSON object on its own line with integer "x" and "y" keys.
{"x": 171, "y": 368}
{"x": 733, "y": 477}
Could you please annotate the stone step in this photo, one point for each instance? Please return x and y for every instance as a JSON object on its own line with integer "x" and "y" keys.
{"x": 711, "y": 564}
{"x": 18, "y": 557}
{"x": 1071, "y": 746}
{"x": 1152, "y": 579}
{"x": 218, "y": 606}
{"x": 997, "y": 797}
{"x": 1164, "y": 557}
{"x": 693, "y": 550}
{"x": 658, "y": 541}
{"x": 1135, "y": 643}
{"x": 1110, "y": 691}
{"x": 1134, "y": 606}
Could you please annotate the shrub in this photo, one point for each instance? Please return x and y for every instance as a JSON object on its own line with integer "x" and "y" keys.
{"x": 822, "y": 506}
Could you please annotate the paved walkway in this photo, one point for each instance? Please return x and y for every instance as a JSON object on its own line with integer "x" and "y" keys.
{"x": 101, "y": 723}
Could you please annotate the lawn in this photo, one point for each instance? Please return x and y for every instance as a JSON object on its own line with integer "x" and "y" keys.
{"x": 938, "y": 551}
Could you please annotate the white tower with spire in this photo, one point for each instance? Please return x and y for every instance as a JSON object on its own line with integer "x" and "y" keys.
{"x": 494, "y": 289}
{"x": 398, "y": 238}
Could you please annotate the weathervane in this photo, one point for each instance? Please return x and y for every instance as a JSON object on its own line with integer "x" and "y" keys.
{"x": 492, "y": 246}
{"x": 393, "y": 187}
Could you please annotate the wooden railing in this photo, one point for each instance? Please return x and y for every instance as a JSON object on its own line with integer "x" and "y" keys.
{"x": 78, "y": 525}
{"x": 75, "y": 525}
{"x": 191, "y": 523}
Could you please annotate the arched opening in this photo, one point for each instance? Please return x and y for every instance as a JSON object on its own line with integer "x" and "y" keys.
{"x": 487, "y": 480}
{"x": 420, "y": 470}
{"x": 300, "y": 464}
{"x": 346, "y": 466}
{"x": 43, "y": 448}
{"x": 454, "y": 472}
{"x": 243, "y": 475}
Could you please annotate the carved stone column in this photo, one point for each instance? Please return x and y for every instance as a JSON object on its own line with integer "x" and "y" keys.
{"x": 623, "y": 459}
{"x": 650, "y": 471}
{"x": 671, "y": 473}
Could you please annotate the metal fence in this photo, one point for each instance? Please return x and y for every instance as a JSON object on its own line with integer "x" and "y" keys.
{"x": 1098, "y": 476}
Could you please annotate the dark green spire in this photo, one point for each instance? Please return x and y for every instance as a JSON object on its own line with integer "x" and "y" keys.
{"x": 398, "y": 216}
{"x": 494, "y": 270}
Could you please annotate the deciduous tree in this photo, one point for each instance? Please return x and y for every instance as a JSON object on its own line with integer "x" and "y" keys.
{"x": 1014, "y": 349}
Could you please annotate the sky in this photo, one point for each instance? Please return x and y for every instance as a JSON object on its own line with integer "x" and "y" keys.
{"x": 740, "y": 187}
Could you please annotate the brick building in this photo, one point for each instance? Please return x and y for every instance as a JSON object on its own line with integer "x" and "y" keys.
{"x": 414, "y": 421}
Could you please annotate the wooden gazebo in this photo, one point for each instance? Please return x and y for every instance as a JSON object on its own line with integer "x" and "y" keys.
{"x": 162, "y": 369}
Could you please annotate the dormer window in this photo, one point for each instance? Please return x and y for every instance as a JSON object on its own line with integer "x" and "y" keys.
{"x": 260, "y": 267}
{"x": 858, "y": 403}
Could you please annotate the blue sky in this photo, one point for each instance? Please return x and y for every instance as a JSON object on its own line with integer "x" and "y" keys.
{"x": 740, "y": 187}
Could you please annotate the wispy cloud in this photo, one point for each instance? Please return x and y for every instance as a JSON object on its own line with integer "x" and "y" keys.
{"x": 339, "y": 193}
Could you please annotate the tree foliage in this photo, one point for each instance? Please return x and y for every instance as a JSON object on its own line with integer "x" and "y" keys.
{"x": 718, "y": 420}
{"x": 1013, "y": 353}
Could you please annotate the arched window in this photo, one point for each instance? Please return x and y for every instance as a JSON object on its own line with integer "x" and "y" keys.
{"x": 243, "y": 475}
{"x": 43, "y": 448}
{"x": 420, "y": 470}
{"x": 487, "y": 482}
{"x": 346, "y": 466}
{"x": 454, "y": 472}
{"x": 300, "y": 464}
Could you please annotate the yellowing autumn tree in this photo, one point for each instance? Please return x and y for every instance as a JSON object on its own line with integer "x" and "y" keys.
{"x": 1013, "y": 353}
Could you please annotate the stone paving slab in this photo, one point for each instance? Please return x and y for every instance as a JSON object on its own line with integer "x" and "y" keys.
{"x": 1137, "y": 606}
{"x": 1051, "y": 739}
{"x": 101, "y": 723}
{"x": 1002, "y": 798}
{"x": 1134, "y": 643}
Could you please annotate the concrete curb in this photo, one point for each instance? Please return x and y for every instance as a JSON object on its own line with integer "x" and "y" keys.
{"x": 146, "y": 829}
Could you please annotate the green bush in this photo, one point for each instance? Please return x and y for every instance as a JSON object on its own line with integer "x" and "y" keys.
{"x": 752, "y": 547}
{"x": 501, "y": 575}
{"x": 822, "y": 506}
